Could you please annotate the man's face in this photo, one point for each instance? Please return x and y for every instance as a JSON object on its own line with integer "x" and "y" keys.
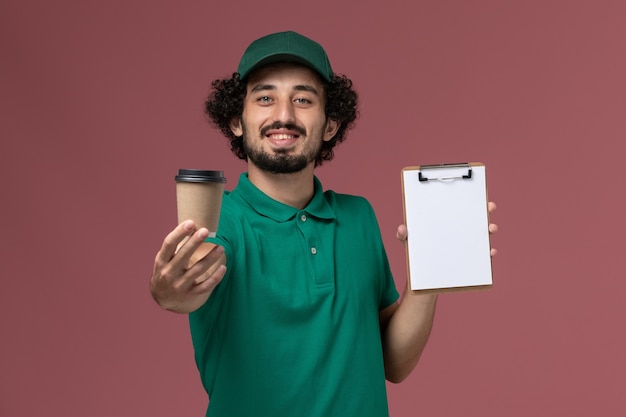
{"x": 283, "y": 122}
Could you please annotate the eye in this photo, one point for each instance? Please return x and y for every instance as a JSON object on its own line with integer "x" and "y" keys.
{"x": 302, "y": 100}
{"x": 264, "y": 99}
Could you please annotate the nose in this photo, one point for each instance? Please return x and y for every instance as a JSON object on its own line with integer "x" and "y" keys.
{"x": 284, "y": 112}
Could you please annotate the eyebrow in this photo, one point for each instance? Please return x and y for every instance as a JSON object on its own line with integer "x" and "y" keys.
{"x": 299, "y": 87}
{"x": 307, "y": 88}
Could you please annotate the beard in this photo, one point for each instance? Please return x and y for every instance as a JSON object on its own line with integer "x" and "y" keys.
{"x": 282, "y": 161}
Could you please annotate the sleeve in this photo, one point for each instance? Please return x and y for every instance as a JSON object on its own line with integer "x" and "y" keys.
{"x": 388, "y": 293}
{"x": 227, "y": 231}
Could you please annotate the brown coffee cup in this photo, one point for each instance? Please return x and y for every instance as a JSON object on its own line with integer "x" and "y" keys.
{"x": 199, "y": 197}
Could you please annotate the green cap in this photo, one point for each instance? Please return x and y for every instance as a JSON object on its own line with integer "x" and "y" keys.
{"x": 285, "y": 47}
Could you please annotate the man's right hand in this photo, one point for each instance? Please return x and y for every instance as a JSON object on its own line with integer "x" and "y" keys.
{"x": 186, "y": 270}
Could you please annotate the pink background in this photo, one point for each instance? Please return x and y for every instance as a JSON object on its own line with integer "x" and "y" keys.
{"x": 101, "y": 102}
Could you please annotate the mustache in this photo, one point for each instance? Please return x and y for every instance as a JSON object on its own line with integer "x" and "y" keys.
{"x": 280, "y": 125}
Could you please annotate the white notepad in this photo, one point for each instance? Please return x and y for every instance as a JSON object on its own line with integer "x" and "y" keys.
{"x": 445, "y": 212}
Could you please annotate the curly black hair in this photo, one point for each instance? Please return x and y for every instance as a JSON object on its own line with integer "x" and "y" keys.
{"x": 225, "y": 102}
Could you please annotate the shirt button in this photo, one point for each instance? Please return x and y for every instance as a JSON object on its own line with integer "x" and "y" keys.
{"x": 303, "y": 217}
{"x": 313, "y": 251}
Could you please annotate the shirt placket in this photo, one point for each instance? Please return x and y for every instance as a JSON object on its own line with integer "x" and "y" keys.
{"x": 317, "y": 251}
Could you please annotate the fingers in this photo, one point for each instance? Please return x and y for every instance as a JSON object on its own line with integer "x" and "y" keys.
{"x": 208, "y": 281}
{"x": 173, "y": 240}
{"x": 179, "y": 245}
{"x": 182, "y": 282}
{"x": 493, "y": 228}
{"x": 401, "y": 233}
{"x": 185, "y": 251}
{"x": 491, "y": 207}
{"x": 171, "y": 271}
{"x": 207, "y": 265}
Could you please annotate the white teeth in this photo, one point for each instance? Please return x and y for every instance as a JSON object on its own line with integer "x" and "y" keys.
{"x": 282, "y": 136}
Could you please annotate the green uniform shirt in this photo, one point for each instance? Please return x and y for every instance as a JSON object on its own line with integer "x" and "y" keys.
{"x": 292, "y": 329}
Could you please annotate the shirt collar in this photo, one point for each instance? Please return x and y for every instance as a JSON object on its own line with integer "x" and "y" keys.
{"x": 268, "y": 207}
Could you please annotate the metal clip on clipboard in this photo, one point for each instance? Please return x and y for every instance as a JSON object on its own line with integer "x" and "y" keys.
{"x": 468, "y": 176}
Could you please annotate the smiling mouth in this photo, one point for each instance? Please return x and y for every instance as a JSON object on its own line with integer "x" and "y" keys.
{"x": 278, "y": 130}
{"x": 282, "y": 141}
{"x": 282, "y": 136}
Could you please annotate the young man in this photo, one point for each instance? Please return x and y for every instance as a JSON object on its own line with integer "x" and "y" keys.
{"x": 296, "y": 312}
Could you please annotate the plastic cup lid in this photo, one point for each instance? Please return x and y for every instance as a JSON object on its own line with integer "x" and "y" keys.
{"x": 197, "y": 175}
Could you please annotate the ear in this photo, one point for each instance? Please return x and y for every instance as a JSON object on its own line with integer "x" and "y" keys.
{"x": 235, "y": 126}
{"x": 331, "y": 128}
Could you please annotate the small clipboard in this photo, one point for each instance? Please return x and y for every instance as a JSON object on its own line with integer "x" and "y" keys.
{"x": 445, "y": 212}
